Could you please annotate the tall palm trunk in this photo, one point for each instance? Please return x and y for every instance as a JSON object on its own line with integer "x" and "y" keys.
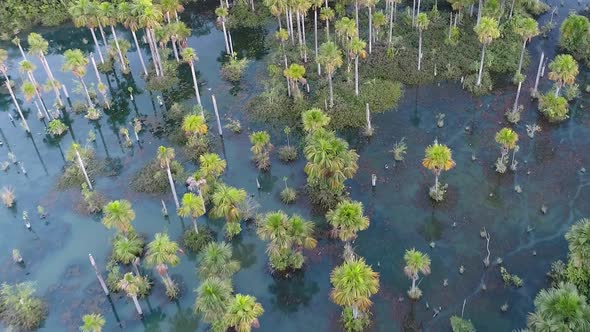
{"x": 557, "y": 89}
{"x": 328, "y": 29}
{"x": 96, "y": 44}
{"x": 521, "y": 56}
{"x": 356, "y": 75}
{"x": 83, "y": 169}
{"x": 512, "y": 8}
{"x": 157, "y": 52}
{"x": 172, "y": 184}
{"x": 479, "y": 9}
{"x": 304, "y": 40}
{"x": 299, "y": 34}
{"x": 20, "y": 112}
{"x": 315, "y": 35}
{"x": 137, "y": 306}
{"x": 391, "y": 16}
{"x": 22, "y": 52}
{"x": 331, "y": 89}
{"x": 370, "y": 30}
{"x": 195, "y": 225}
{"x": 139, "y": 52}
{"x": 418, "y": 9}
{"x": 196, "y": 85}
{"x": 51, "y": 78}
{"x": 123, "y": 65}
{"x": 517, "y": 96}
{"x": 98, "y": 79}
{"x": 436, "y": 175}
{"x": 483, "y": 54}
{"x": 90, "y": 104}
{"x": 102, "y": 34}
{"x": 37, "y": 93}
{"x": 413, "y": 12}
{"x": 290, "y": 12}
{"x": 356, "y": 16}
{"x": 227, "y": 50}
{"x": 154, "y": 51}
{"x": 175, "y": 49}
{"x": 419, "y": 48}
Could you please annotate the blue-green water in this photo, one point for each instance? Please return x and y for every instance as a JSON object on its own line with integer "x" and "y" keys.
{"x": 402, "y": 216}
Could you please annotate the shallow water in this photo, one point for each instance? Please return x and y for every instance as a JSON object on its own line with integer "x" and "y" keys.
{"x": 402, "y": 216}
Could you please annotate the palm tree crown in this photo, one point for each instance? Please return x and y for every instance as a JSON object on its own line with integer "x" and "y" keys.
{"x": 347, "y": 219}
{"x": 416, "y": 262}
{"x": 578, "y": 238}
{"x": 507, "y": 138}
{"x": 213, "y": 296}
{"x": 216, "y": 261}
{"x": 92, "y": 323}
{"x": 330, "y": 57}
{"x": 118, "y": 214}
{"x": 560, "y": 309}
{"x": 564, "y": 69}
{"x": 438, "y": 157}
{"x": 314, "y": 119}
{"x": 487, "y": 30}
{"x": 354, "y": 282}
{"x": 162, "y": 251}
{"x": 243, "y": 312}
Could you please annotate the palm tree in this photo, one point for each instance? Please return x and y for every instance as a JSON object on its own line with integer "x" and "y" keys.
{"x": 261, "y": 148}
{"x": 346, "y": 30}
{"x": 326, "y": 14}
{"x": 370, "y": 4}
{"x": 316, "y": 4}
{"x": 38, "y": 46}
{"x": 379, "y": 20}
{"x": 573, "y": 35}
{"x": 192, "y": 206}
{"x": 564, "y": 70}
{"x": 295, "y": 74}
{"x": 76, "y": 62}
{"x": 211, "y": 167}
{"x": 92, "y": 323}
{"x": 347, "y": 219}
{"x": 526, "y": 28}
{"x": 162, "y": 252}
{"x": 4, "y": 70}
{"x": 216, "y": 262}
{"x": 108, "y": 15}
{"x": 422, "y": 23}
{"x": 222, "y": 13}
{"x": 171, "y": 6}
{"x": 301, "y": 233}
{"x": 353, "y": 283}
{"x": 149, "y": 17}
{"x": 213, "y": 297}
{"x": 28, "y": 67}
{"x": 416, "y": 262}
{"x": 357, "y": 48}
{"x": 127, "y": 17}
{"x": 487, "y": 30}
{"x": 130, "y": 285}
{"x": 193, "y": 124}
{"x": 75, "y": 151}
{"x": 331, "y": 58}
{"x": 118, "y": 214}
{"x": 190, "y": 56}
{"x": 560, "y": 309}
{"x": 165, "y": 156}
{"x": 578, "y": 238}
{"x": 314, "y": 119}
{"x": 227, "y": 202}
{"x": 507, "y": 139}
{"x": 243, "y": 312}
{"x": 438, "y": 158}
{"x": 127, "y": 249}
{"x": 83, "y": 14}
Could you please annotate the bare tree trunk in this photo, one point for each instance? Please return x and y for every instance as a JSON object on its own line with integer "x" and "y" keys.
{"x": 153, "y": 50}
{"x": 479, "y": 9}
{"x": 331, "y": 90}
{"x": 356, "y": 75}
{"x": 304, "y": 40}
{"x": 90, "y": 104}
{"x": 139, "y": 52}
{"x": 104, "y": 39}
{"x": 95, "y": 68}
{"x": 299, "y": 34}
{"x": 419, "y": 49}
{"x": 195, "y": 225}
{"x": 521, "y": 56}
{"x": 368, "y": 118}
{"x": 391, "y": 15}
{"x": 290, "y": 13}
{"x": 22, "y": 52}
{"x": 20, "y": 112}
{"x": 538, "y": 73}
{"x": 196, "y": 85}
{"x": 315, "y": 34}
{"x": 515, "y": 107}
{"x": 159, "y": 62}
{"x": 175, "y": 49}
{"x": 98, "y": 276}
{"x": 96, "y": 44}
{"x": 370, "y": 30}
{"x": 217, "y": 115}
{"x": 83, "y": 169}
{"x": 172, "y": 185}
{"x": 123, "y": 65}
{"x": 356, "y": 16}
{"x": 137, "y": 306}
{"x": 51, "y": 78}
{"x": 225, "y": 36}
{"x": 483, "y": 54}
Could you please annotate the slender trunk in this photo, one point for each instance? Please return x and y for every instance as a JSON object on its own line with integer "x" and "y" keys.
{"x": 96, "y": 44}
{"x": 521, "y": 56}
{"x": 20, "y": 112}
{"x": 51, "y": 78}
{"x": 436, "y": 182}
{"x": 159, "y": 62}
{"x": 83, "y": 169}
{"x": 512, "y": 8}
{"x": 139, "y": 52}
{"x": 123, "y": 65}
{"x": 231, "y": 44}
{"x": 98, "y": 276}
{"x": 154, "y": 51}
{"x": 479, "y": 9}
{"x": 483, "y": 54}
{"x": 450, "y": 24}
{"x": 65, "y": 90}
{"x": 368, "y": 118}
{"x": 419, "y": 48}
{"x": 175, "y": 49}
{"x": 418, "y": 8}
{"x": 217, "y": 115}
{"x": 390, "y": 24}
{"x": 395, "y": 12}
{"x": 356, "y": 16}
{"x": 104, "y": 39}
{"x": 137, "y": 306}
{"x": 225, "y": 36}
{"x": 299, "y": 34}
{"x": 370, "y": 30}
{"x": 515, "y": 107}
{"x": 32, "y": 79}
{"x": 356, "y": 75}
{"x": 331, "y": 90}
{"x": 538, "y": 73}
{"x": 328, "y": 29}
{"x": 172, "y": 184}
{"x": 413, "y": 12}
{"x": 95, "y": 68}
{"x": 90, "y": 104}
{"x": 315, "y": 34}
{"x": 290, "y": 13}
{"x": 196, "y": 85}
{"x": 557, "y": 88}
{"x": 287, "y": 66}
{"x": 252, "y": 4}
{"x": 195, "y": 225}
{"x": 304, "y": 40}
{"x": 413, "y": 283}
{"x": 22, "y": 52}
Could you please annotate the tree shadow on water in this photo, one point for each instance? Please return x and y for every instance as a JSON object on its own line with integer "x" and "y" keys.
{"x": 291, "y": 293}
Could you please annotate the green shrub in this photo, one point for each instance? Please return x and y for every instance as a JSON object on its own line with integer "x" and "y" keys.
{"x": 287, "y": 153}
{"x": 234, "y": 68}
{"x": 351, "y": 324}
{"x": 56, "y": 127}
{"x": 554, "y": 108}
{"x": 288, "y": 195}
{"x": 154, "y": 180}
{"x": 194, "y": 241}
{"x": 459, "y": 324}
{"x": 20, "y": 308}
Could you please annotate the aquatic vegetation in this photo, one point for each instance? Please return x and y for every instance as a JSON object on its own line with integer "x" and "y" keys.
{"x": 92, "y": 201}
{"x": 194, "y": 241}
{"x": 459, "y": 324}
{"x": 243, "y": 312}
{"x": 19, "y": 307}
{"x": 153, "y": 179}
{"x": 573, "y": 37}
{"x": 287, "y": 237}
{"x": 438, "y": 158}
{"x": 510, "y": 279}
{"x": 347, "y": 219}
{"x": 17, "y": 258}
{"x": 561, "y": 308}
{"x": 161, "y": 253}
{"x": 56, "y": 127}
{"x": 554, "y": 108}
{"x": 507, "y": 139}
{"x": 288, "y": 195}
{"x": 92, "y": 323}
{"x": 564, "y": 70}
{"x": 399, "y": 150}
{"x": 416, "y": 262}
{"x": 7, "y": 196}
{"x": 234, "y": 125}
{"x": 234, "y": 68}
{"x": 227, "y": 202}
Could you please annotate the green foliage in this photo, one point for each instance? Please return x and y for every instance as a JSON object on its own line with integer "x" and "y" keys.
{"x": 574, "y": 37}
{"x": 352, "y": 324}
{"x": 154, "y": 180}
{"x": 510, "y": 279}
{"x": 126, "y": 249}
{"x": 242, "y": 16}
{"x": 288, "y": 195}
{"x": 216, "y": 261}
{"x": 288, "y": 153}
{"x": 261, "y": 148}
{"x": 459, "y": 324}
{"x": 234, "y": 68}
{"x": 73, "y": 175}
{"x": 92, "y": 200}
{"x": 554, "y": 108}
{"x": 19, "y": 307}
{"x": 560, "y": 309}
{"x": 399, "y": 149}
{"x": 18, "y": 15}
{"x": 470, "y": 84}
{"x": 113, "y": 276}
{"x": 194, "y": 241}
{"x": 56, "y": 127}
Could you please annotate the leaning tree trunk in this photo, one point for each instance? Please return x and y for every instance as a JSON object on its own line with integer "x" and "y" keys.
{"x": 104, "y": 39}
{"x": 51, "y": 78}
{"x": 157, "y": 52}
{"x": 96, "y": 44}
{"x": 418, "y": 9}
{"x": 137, "y": 306}
{"x": 511, "y": 8}
{"x": 331, "y": 89}
{"x": 83, "y": 169}
{"x": 90, "y": 104}
{"x": 139, "y": 53}
{"x": 225, "y": 36}
{"x": 20, "y": 112}
{"x": 479, "y": 9}
{"x": 175, "y": 49}
{"x": 154, "y": 52}
{"x": 521, "y": 56}
{"x": 172, "y": 185}
{"x": 123, "y": 66}
{"x": 515, "y": 107}
{"x": 370, "y": 30}
{"x": 483, "y": 54}
{"x": 196, "y": 85}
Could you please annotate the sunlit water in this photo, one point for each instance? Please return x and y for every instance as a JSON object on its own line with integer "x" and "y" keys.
{"x": 402, "y": 216}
